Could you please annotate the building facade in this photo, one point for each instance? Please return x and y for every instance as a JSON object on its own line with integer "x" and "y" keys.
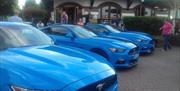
{"x": 99, "y": 10}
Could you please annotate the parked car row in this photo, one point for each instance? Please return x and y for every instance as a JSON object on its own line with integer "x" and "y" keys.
{"x": 70, "y": 58}
{"x": 144, "y": 41}
{"x": 118, "y": 53}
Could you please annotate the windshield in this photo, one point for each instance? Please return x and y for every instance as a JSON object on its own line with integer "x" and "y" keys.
{"x": 82, "y": 32}
{"x": 111, "y": 29}
{"x": 20, "y": 36}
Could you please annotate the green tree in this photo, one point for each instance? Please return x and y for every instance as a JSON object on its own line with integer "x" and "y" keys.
{"x": 33, "y": 10}
{"x": 7, "y": 7}
{"x": 48, "y": 6}
{"x": 31, "y": 4}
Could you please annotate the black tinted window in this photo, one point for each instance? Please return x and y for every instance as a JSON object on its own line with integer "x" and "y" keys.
{"x": 97, "y": 29}
{"x": 58, "y": 31}
{"x": 82, "y": 32}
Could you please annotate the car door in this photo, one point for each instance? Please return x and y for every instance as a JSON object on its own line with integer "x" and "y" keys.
{"x": 60, "y": 35}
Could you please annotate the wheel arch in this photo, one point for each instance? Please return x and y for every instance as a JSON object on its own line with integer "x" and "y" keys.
{"x": 100, "y": 52}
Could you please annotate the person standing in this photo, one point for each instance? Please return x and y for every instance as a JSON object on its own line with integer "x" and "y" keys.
{"x": 64, "y": 18}
{"x": 115, "y": 21}
{"x": 166, "y": 32}
{"x": 40, "y": 24}
{"x": 80, "y": 22}
{"x": 15, "y": 18}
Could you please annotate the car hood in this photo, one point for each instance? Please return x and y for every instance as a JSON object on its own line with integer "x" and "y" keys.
{"x": 131, "y": 36}
{"x": 108, "y": 42}
{"x": 118, "y": 38}
{"x": 141, "y": 33}
{"x": 50, "y": 67}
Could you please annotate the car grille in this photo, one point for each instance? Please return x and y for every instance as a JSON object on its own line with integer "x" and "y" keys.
{"x": 101, "y": 85}
{"x": 134, "y": 51}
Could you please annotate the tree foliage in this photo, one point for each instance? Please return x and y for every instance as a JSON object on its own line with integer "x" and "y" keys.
{"x": 7, "y": 7}
{"x": 33, "y": 10}
{"x": 30, "y": 13}
{"x": 31, "y": 4}
{"x": 48, "y": 5}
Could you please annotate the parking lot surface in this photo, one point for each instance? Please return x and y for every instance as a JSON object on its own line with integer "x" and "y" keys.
{"x": 157, "y": 72}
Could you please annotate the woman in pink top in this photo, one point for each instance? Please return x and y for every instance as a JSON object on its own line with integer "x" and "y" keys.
{"x": 166, "y": 32}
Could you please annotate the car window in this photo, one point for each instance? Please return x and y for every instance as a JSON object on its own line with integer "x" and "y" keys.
{"x": 97, "y": 29}
{"x": 58, "y": 31}
{"x": 111, "y": 29}
{"x": 82, "y": 32}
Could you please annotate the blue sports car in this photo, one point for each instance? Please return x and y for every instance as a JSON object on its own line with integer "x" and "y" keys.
{"x": 145, "y": 43}
{"x": 30, "y": 62}
{"x": 120, "y": 53}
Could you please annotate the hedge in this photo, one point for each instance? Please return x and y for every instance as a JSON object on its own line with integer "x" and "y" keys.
{"x": 145, "y": 24}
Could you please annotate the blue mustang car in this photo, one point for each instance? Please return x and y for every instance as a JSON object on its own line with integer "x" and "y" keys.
{"x": 145, "y": 43}
{"x": 121, "y": 54}
{"x": 30, "y": 62}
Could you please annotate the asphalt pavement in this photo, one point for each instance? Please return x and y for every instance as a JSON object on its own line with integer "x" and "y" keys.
{"x": 159, "y": 71}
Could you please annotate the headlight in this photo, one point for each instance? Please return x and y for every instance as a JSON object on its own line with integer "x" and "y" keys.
{"x": 14, "y": 88}
{"x": 117, "y": 50}
{"x": 140, "y": 40}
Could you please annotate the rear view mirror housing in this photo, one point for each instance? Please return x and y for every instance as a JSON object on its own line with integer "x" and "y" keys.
{"x": 69, "y": 35}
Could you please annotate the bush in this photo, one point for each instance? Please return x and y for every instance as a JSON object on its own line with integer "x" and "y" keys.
{"x": 145, "y": 24}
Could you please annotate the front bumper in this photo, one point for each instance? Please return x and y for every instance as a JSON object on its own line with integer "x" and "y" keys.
{"x": 92, "y": 82}
{"x": 146, "y": 48}
{"x": 124, "y": 61}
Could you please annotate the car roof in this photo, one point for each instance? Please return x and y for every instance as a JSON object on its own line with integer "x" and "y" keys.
{"x": 95, "y": 24}
{"x": 66, "y": 25}
{"x": 12, "y": 24}
{"x": 57, "y": 25}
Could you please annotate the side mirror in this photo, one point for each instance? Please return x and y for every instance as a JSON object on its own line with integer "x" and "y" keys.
{"x": 105, "y": 32}
{"x": 53, "y": 39}
{"x": 69, "y": 35}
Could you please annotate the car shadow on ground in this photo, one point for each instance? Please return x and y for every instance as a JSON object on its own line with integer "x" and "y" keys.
{"x": 134, "y": 67}
{"x": 126, "y": 69}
